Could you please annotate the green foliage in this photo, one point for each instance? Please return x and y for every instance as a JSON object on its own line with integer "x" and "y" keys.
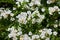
{"x": 49, "y": 19}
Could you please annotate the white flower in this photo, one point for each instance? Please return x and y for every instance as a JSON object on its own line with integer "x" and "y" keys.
{"x": 40, "y": 30}
{"x": 12, "y": 32}
{"x": 55, "y": 33}
{"x": 12, "y": 19}
{"x": 33, "y": 21}
{"x": 12, "y": 14}
{"x": 29, "y": 15}
{"x": 26, "y": 0}
{"x": 44, "y": 32}
{"x": 35, "y": 13}
{"x": 22, "y": 18}
{"x": 42, "y": 16}
{"x": 43, "y": 9}
{"x": 42, "y": 35}
{"x": 14, "y": 38}
{"x": 14, "y": 8}
{"x": 33, "y": 37}
{"x": 49, "y": 31}
{"x": 31, "y": 4}
{"x": 36, "y": 8}
{"x": 26, "y": 6}
{"x": 40, "y": 19}
{"x": 51, "y": 10}
{"x": 5, "y": 13}
{"x": 30, "y": 33}
{"x": 45, "y": 29}
{"x": 21, "y": 37}
{"x": 47, "y": 39}
{"x": 30, "y": 38}
{"x": 18, "y": 5}
{"x": 22, "y": 1}
{"x": 55, "y": 25}
{"x": 19, "y": 33}
{"x": 26, "y": 37}
{"x": 56, "y": 7}
{"x": 37, "y": 2}
{"x": 49, "y": 1}
{"x": 10, "y": 35}
{"x": 58, "y": 12}
{"x": 9, "y": 29}
{"x": 36, "y": 36}
{"x": 1, "y": 8}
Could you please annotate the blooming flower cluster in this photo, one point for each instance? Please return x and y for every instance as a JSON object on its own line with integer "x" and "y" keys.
{"x": 14, "y": 33}
{"x": 30, "y": 20}
{"x": 5, "y": 13}
{"x": 53, "y": 9}
{"x": 22, "y": 17}
{"x": 43, "y": 34}
{"x": 50, "y": 1}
